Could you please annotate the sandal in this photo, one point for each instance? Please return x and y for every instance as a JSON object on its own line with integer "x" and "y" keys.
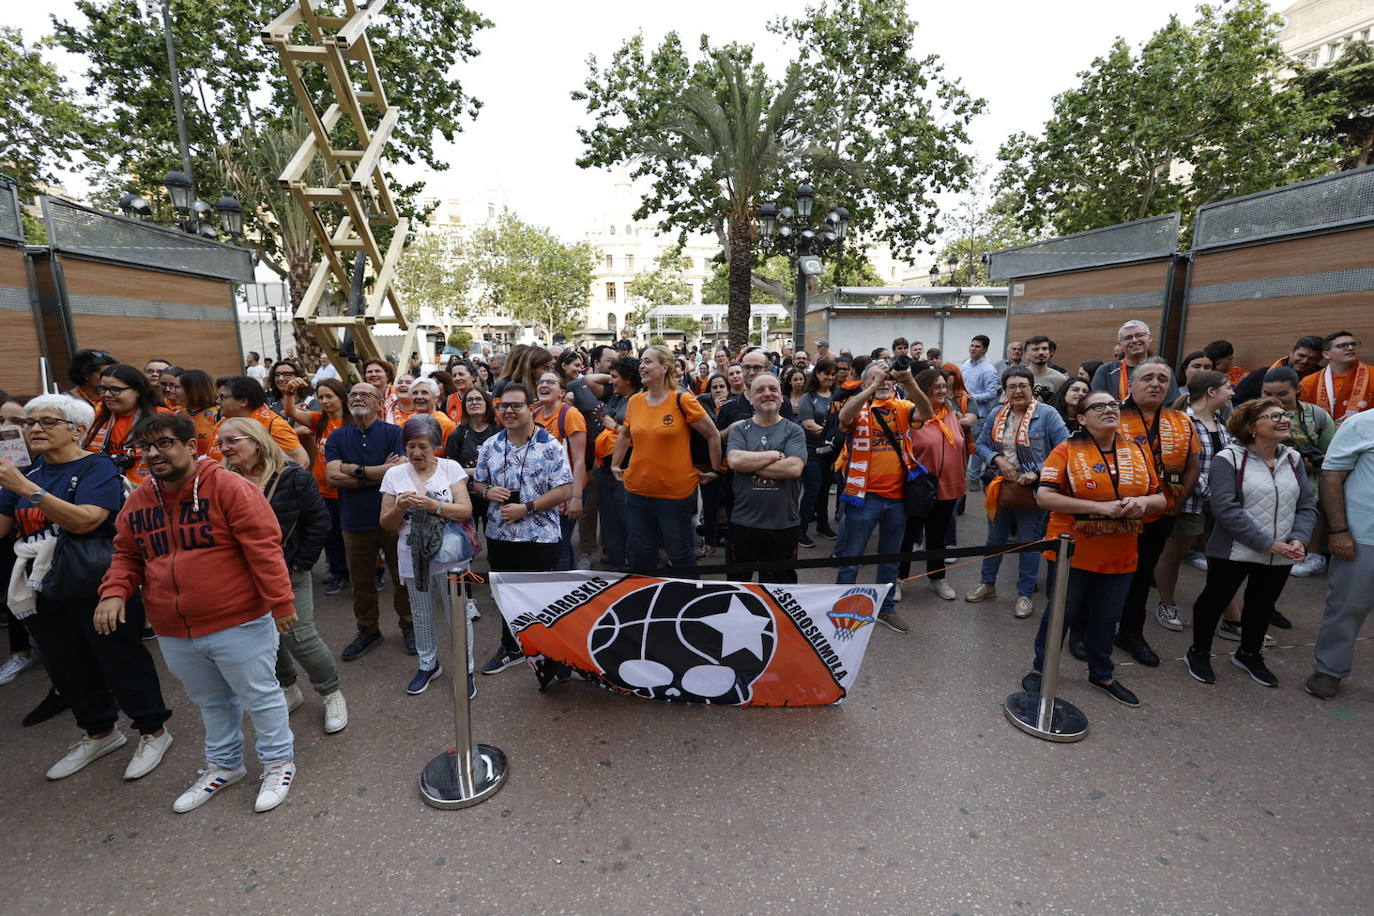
{"x": 707, "y": 550}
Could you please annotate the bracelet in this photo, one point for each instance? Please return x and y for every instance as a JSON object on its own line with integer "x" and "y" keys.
{"x": 1338, "y": 530}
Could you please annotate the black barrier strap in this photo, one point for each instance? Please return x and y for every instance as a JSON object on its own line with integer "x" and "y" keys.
{"x": 834, "y": 562}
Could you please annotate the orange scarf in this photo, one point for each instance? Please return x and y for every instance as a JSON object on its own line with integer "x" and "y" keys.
{"x": 1123, "y": 383}
{"x": 999, "y": 425}
{"x": 1359, "y": 392}
{"x": 860, "y": 449}
{"x": 938, "y": 418}
{"x": 1089, "y": 476}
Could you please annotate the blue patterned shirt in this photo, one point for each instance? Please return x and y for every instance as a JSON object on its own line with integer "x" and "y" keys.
{"x": 535, "y": 468}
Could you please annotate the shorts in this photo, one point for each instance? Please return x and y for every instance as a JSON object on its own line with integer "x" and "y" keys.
{"x": 1189, "y": 524}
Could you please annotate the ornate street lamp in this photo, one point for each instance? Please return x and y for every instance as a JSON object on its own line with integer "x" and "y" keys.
{"x": 230, "y": 216}
{"x": 180, "y": 189}
{"x": 805, "y": 242}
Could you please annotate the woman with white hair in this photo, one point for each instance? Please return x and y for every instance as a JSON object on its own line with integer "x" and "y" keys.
{"x": 70, "y": 495}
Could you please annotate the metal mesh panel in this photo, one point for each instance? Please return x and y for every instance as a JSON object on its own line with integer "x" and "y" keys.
{"x": 1353, "y": 280}
{"x": 1332, "y": 200}
{"x": 10, "y": 225}
{"x": 1137, "y": 241}
{"x": 74, "y": 229}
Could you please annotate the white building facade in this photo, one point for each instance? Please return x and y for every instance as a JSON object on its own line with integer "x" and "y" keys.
{"x": 1316, "y": 31}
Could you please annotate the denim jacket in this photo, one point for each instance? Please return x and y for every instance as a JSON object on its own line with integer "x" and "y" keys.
{"x": 1047, "y": 429}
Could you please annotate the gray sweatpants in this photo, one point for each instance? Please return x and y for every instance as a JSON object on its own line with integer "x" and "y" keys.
{"x": 1349, "y": 600}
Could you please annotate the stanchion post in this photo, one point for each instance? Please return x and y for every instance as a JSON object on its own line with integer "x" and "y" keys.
{"x": 1042, "y": 713}
{"x": 466, "y": 773}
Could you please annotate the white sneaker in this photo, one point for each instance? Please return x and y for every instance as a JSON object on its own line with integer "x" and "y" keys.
{"x": 293, "y": 696}
{"x": 85, "y": 751}
{"x": 14, "y": 666}
{"x": 942, "y": 588}
{"x": 1024, "y": 607}
{"x": 896, "y": 592}
{"x": 584, "y": 562}
{"x": 1314, "y": 564}
{"x": 1197, "y": 561}
{"x": 276, "y": 782}
{"x": 335, "y": 712}
{"x": 207, "y": 787}
{"x": 148, "y": 754}
{"x": 1170, "y": 617}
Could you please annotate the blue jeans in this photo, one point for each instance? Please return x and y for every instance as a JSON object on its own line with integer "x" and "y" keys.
{"x": 651, "y": 523}
{"x": 565, "y": 548}
{"x": 857, "y": 524}
{"x": 1030, "y": 526}
{"x": 335, "y": 556}
{"x": 1094, "y": 602}
{"x": 225, "y": 672}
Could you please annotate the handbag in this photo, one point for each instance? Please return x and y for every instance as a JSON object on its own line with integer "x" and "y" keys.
{"x": 458, "y": 543}
{"x": 79, "y": 561}
{"x": 919, "y": 492}
{"x": 1013, "y": 495}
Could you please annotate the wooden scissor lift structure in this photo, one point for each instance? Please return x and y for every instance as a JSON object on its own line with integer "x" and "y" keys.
{"x": 353, "y": 195}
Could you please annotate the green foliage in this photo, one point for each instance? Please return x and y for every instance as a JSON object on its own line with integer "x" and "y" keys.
{"x": 1198, "y": 115}
{"x": 236, "y": 91}
{"x": 774, "y": 279}
{"x": 460, "y": 339}
{"x": 1348, "y": 84}
{"x": 664, "y": 285}
{"x": 44, "y": 123}
{"x": 435, "y": 272}
{"x": 529, "y": 272}
{"x": 877, "y": 129}
{"x": 35, "y": 230}
{"x": 978, "y": 226}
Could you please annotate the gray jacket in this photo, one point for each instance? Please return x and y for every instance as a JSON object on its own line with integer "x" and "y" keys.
{"x": 1254, "y": 507}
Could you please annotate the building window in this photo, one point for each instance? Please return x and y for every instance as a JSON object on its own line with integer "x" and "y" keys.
{"x": 610, "y": 292}
{"x": 610, "y": 262}
{"x": 612, "y": 230}
{"x": 629, "y": 263}
{"x": 610, "y": 321}
{"x": 491, "y": 211}
{"x": 629, "y": 230}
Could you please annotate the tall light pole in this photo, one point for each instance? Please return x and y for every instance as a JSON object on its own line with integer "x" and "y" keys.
{"x": 175, "y": 75}
{"x": 801, "y": 239}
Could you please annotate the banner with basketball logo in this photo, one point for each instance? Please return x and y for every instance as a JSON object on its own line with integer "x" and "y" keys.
{"x": 731, "y": 643}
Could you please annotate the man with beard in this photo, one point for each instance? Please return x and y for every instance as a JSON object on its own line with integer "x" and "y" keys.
{"x": 204, "y": 545}
{"x": 1047, "y": 380}
{"x": 1133, "y": 340}
{"x": 766, "y": 457}
{"x": 357, "y": 456}
{"x": 1304, "y": 359}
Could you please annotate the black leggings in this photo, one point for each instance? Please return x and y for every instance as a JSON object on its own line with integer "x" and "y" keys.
{"x": 934, "y": 526}
{"x": 1224, "y": 578}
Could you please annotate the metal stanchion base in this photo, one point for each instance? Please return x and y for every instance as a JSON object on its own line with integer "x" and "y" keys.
{"x": 1067, "y": 722}
{"x": 441, "y": 788}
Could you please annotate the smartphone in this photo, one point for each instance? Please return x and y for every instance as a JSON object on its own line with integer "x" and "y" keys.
{"x": 514, "y": 496}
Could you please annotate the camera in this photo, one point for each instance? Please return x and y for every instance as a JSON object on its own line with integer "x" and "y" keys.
{"x": 906, "y": 363}
{"x": 1313, "y": 457}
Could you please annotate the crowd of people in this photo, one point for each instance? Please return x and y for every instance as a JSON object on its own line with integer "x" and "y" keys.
{"x": 620, "y": 459}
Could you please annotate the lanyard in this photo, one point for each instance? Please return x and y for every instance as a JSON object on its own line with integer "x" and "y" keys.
{"x": 1152, "y": 435}
{"x": 1113, "y": 472}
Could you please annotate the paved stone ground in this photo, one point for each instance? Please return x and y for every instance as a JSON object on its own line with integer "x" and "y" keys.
{"x": 915, "y": 795}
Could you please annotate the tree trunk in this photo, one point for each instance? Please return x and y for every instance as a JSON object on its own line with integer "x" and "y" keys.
{"x": 299, "y": 269}
{"x": 741, "y": 278}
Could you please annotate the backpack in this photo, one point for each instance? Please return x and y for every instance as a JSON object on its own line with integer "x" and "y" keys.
{"x": 701, "y": 452}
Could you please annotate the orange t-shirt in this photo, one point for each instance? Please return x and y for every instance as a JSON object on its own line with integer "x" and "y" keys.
{"x": 661, "y": 466}
{"x": 573, "y": 422}
{"x": 397, "y": 416}
{"x": 115, "y": 434}
{"x": 317, "y": 470}
{"x": 1174, "y": 442}
{"x": 1100, "y": 553}
{"x": 454, "y": 407}
{"x": 1314, "y": 388}
{"x": 206, "y": 424}
{"x": 278, "y": 429}
{"x": 1237, "y": 374}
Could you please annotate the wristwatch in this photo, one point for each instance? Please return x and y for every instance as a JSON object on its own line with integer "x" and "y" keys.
{"x": 360, "y": 472}
{"x": 38, "y": 497}
{"x": 529, "y": 506}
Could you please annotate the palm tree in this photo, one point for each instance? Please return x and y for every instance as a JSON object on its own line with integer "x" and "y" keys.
{"x": 742, "y": 128}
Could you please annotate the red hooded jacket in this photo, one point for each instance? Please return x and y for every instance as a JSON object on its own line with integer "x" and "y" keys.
{"x": 208, "y": 556}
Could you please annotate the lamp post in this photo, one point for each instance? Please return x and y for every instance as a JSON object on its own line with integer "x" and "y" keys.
{"x": 785, "y": 231}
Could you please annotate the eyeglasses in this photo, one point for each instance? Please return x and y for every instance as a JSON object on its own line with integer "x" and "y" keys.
{"x": 45, "y": 422}
{"x": 285, "y": 372}
{"x": 503, "y": 405}
{"x": 111, "y": 389}
{"x": 1021, "y": 387}
{"x": 1348, "y": 345}
{"x": 1138, "y": 335}
{"x": 1103, "y": 406}
{"x": 157, "y": 445}
{"x": 230, "y": 440}
{"x": 1273, "y": 417}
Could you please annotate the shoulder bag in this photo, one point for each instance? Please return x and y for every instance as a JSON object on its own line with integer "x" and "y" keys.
{"x": 919, "y": 492}
{"x": 79, "y": 560}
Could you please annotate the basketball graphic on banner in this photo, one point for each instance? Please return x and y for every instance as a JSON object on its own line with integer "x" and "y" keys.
{"x": 711, "y": 642}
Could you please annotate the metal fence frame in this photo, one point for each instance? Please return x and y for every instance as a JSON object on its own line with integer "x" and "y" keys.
{"x": 11, "y": 223}
{"x": 136, "y": 243}
{"x": 1003, "y": 265}
{"x": 1337, "y": 187}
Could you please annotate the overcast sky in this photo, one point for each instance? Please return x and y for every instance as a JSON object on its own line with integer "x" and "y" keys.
{"x": 1014, "y": 54}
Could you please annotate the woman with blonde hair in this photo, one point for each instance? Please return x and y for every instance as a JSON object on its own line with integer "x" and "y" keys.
{"x": 661, "y": 481}
{"x": 249, "y": 450}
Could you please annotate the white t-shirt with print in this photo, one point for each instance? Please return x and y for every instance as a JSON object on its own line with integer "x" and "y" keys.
{"x": 447, "y": 477}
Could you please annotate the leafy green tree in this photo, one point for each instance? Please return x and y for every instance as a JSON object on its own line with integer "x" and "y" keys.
{"x": 435, "y": 271}
{"x": 775, "y": 280}
{"x": 527, "y": 271}
{"x": 717, "y": 136}
{"x": 979, "y": 225}
{"x": 1199, "y": 114}
{"x": 462, "y": 340}
{"x": 236, "y": 91}
{"x": 1347, "y": 82}
{"x": 44, "y": 123}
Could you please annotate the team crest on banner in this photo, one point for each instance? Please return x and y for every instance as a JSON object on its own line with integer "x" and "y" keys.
{"x": 729, "y": 643}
